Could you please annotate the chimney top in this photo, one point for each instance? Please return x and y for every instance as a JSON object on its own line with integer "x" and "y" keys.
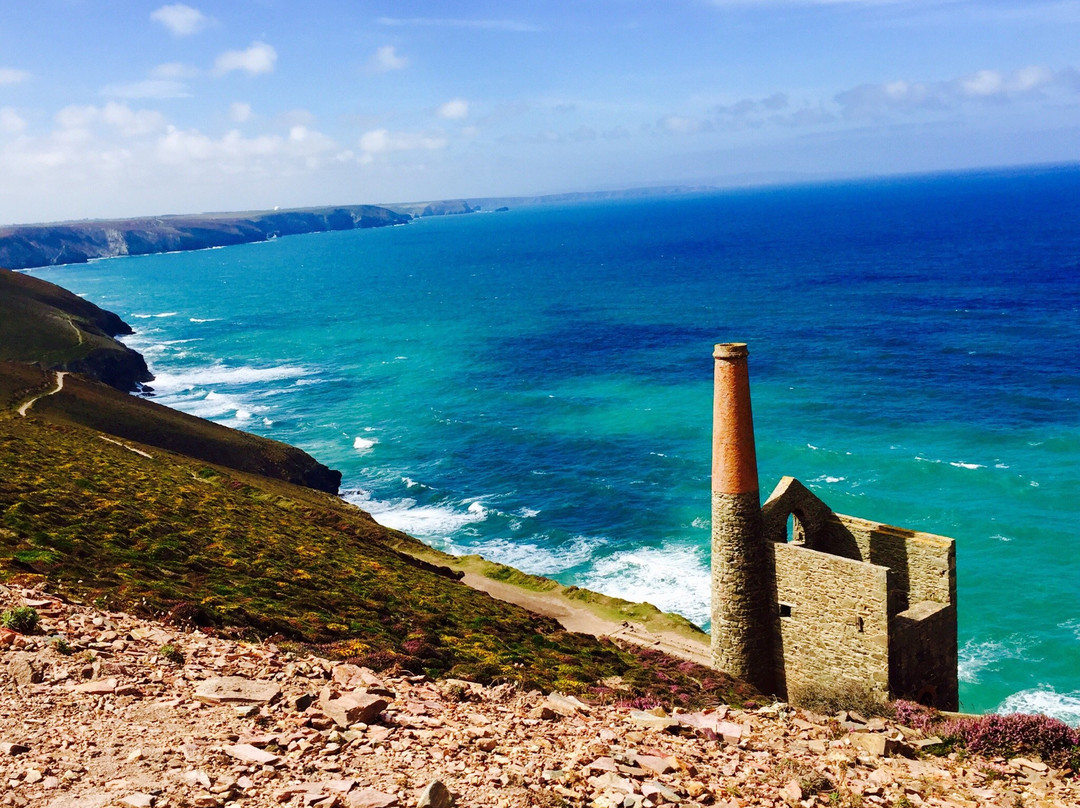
{"x": 730, "y": 350}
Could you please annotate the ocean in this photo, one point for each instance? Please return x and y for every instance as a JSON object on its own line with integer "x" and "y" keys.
{"x": 535, "y": 385}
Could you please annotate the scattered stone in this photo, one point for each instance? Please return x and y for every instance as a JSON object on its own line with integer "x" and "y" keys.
{"x": 873, "y": 743}
{"x": 565, "y": 705}
{"x": 649, "y": 720}
{"x": 1032, "y": 765}
{"x": 25, "y": 670}
{"x": 371, "y": 798}
{"x": 61, "y": 747}
{"x": 236, "y": 690}
{"x": 98, "y": 687}
{"x": 251, "y": 754}
{"x": 435, "y": 795}
{"x": 652, "y": 790}
{"x": 138, "y": 800}
{"x": 197, "y": 778}
{"x": 357, "y": 707}
{"x": 792, "y": 792}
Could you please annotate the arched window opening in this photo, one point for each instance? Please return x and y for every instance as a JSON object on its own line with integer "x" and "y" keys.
{"x": 796, "y": 534}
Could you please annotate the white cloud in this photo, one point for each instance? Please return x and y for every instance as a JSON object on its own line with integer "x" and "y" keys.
{"x": 387, "y": 58}
{"x": 681, "y": 125}
{"x": 239, "y": 112}
{"x": 75, "y": 121}
{"x": 148, "y": 88}
{"x": 174, "y": 70}
{"x": 258, "y": 58}
{"x": 180, "y": 19}
{"x": 454, "y": 110}
{"x": 9, "y": 75}
{"x": 11, "y": 123}
{"x": 132, "y": 123}
{"x": 983, "y": 85}
{"x": 378, "y": 141}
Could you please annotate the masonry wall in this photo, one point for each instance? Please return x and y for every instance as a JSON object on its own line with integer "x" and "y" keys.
{"x": 923, "y": 565}
{"x": 923, "y": 655}
{"x": 837, "y": 632}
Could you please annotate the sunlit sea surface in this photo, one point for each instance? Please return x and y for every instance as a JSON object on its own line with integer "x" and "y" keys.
{"x": 535, "y": 385}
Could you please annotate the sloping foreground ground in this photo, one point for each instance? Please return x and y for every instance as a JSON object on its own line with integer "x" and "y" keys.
{"x": 131, "y": 525}
{"x": 114, "y": 721}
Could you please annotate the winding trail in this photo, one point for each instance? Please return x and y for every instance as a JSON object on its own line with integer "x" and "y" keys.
{"x": 579, "y": 618}
{"x": 25, "y": 407}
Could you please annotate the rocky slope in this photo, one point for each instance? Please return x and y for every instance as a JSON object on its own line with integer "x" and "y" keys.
{"x": 103, "y": 709}
{"x": 23, "y": 246}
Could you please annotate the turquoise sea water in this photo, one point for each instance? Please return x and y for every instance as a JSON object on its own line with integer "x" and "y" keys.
{"x": 535, "y": 385}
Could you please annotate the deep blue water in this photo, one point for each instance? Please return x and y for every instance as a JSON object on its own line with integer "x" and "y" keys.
{"x": 535, "y": 385}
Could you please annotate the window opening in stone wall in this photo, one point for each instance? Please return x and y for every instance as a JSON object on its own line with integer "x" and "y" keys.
{"x": 859, "y": 624}
{"x": 796, "y": 534}
{"x": 785, "y": 610}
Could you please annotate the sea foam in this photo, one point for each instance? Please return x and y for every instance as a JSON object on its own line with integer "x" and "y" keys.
{"x": 1044, "y": 699}
{"x": 434, "y": 523}
{"x": 673, "y": 578}
{"x": 978, "y": 656}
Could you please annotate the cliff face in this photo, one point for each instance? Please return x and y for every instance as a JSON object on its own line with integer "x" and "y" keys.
{"x": 448, "y": 207}
{"x": 27, "y": 246}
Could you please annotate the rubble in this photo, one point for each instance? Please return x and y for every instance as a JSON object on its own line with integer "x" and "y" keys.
{"x": 105, "y": 720}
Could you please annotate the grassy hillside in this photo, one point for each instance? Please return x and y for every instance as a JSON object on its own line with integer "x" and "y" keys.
{"x": 44, "y": 323}
{"x": 167, "y": 535}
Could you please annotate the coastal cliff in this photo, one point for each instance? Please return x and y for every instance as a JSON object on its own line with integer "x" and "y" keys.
{"x": 53, "y": 330}
{"x": 49, "y": 325}
{"x": 25, "y": 246}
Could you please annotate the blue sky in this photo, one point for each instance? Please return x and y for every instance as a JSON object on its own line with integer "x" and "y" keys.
{"x": 111, "y": 108}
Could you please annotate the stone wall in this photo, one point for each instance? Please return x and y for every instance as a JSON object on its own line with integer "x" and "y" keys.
{"x": 923, "y": 655}
{"x": 832, "y": 625}
{"x": 923, "y": 565}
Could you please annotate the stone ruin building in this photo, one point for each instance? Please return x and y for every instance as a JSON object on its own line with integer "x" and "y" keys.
{"x": 804, "y": 599}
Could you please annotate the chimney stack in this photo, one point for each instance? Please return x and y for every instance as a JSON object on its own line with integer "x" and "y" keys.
{"x": 742, "y": 618}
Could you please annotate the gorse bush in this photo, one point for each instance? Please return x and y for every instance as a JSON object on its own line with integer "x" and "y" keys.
{"x": 1016, "y": 735}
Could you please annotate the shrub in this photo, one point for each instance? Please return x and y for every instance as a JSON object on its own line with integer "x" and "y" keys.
{"x": 62, "y": 646}
{"x": 915, "y": 715}
{"x": 1018, "y": 734}
{"x": 172, "y": 653}
{"x": 23, "y": 619}
{"x": 831, "y": 699}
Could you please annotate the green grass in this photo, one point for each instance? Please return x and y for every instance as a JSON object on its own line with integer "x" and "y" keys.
{"x": 177, "y": 538}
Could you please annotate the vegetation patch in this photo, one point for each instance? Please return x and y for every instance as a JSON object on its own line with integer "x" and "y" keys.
{"x": 175, "y": 538}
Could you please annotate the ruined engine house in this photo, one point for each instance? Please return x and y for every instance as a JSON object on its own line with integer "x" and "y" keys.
{"x": 804, "y": 598}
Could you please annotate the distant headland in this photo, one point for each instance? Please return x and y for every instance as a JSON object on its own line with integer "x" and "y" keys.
{"x": 50, "y": 244}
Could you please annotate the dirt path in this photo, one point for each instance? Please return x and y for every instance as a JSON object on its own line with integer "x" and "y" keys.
{"x": 583, "y": 620}
{"x": 60, "y": 374}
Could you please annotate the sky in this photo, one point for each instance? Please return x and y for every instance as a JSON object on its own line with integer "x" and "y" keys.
{"x": 116, "y": 108}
